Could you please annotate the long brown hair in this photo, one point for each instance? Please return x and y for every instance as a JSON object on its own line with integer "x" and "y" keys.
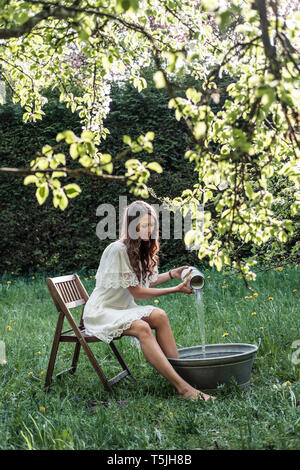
{"x": 144, "y": 251}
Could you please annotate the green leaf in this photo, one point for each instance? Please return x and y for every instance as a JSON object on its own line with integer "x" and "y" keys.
{"x": 199, "y": 130}
{"x": 42, "y": 193}
{"x": 85, "y": 161}
{"x": 30, "y": 179}
{"x": 43, "y": 163}
{"x": 132, "y": 162}
{"x": 207, "y": 195}
{"x": 61, "y": 158}
{"x": 155, "y": 167}
{"x": 224, "y": 19}
{"x": 159, "y": 79}
{"x": 60, "y": 199}
{"x": 47, "y": 150}
{"x": 144, "y": 193}
{"x": 193, "y": 95}
{"x": 83, "y": 34}
{"x": 150, "y": 136}
{"x": 209, "y": 5}
{"x": 69, "y": 136}
{"x": 63, "y": 203}
{"x": 73, "y": 150}
{"x": 58, "y": 174}
{"x": 72, "y": 190}
{"x": 125, "y": 5}
{"x": 105, "y": 158}
{"x": 87, "y": 135}
{"x": 127, "y": 140}
{"x": 249, "y": 190}
{"x": 108, "y": 168}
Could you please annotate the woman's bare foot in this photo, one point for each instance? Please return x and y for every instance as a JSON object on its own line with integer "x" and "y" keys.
{"x": 194, "y": 394}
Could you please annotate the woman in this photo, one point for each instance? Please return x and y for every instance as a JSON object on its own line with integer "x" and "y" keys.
{"x": 128, "y": 272}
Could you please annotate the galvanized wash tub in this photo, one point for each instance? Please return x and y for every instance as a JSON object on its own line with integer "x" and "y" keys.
{"x": 221, "y": 364}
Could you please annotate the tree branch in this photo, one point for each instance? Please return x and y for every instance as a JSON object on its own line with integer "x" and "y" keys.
{"x": 71, "y": 172}
{"x": 52, "y": 9}
{"x": 49, "y": 10}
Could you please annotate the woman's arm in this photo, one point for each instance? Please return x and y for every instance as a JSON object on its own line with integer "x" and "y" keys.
{"x": 172, "y": 274}
{"x": 141, "y": 293}
{"x": 161, "y": 278}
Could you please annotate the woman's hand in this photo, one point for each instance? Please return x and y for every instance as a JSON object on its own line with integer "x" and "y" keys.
{"x": 176, "y": 273}
{"x": 183, "y": 287}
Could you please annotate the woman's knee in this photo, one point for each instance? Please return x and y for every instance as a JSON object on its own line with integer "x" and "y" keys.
{"x": 140, "y": 328}
{"x": 158, "y": 317}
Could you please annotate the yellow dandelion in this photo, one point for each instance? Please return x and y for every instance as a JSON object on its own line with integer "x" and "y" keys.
{"x": 246, "y": 297}
{"x": 156, "y": 301}
{"x": 32, "y": 277}
{"x": 9, "y": 328}
{"x": 279, "y": 268}
{"x": 253, "y": 313}
{"x": 271, "y": 298}
{"x": 42, "y": 409}
{"x": 8, "y": 282}
{"x": 261, "y": 327}
{"x": 287, "y": 383}
{"x": 4, "y": 362}
{"x": 39, "y": 352}
{"x": 255, "y": 295}
{"x": 42, "y": 373}
{"x": 208, "y": 277}
{"x": 294, "y": 290}
{"x": 29, "y": 373}
{"x": 225, "y": 334}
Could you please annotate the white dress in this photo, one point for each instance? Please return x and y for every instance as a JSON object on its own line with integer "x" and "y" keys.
{"x": 111, "y": 308}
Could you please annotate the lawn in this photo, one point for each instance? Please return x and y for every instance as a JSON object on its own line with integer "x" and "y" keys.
{"x": 147, "y": 413}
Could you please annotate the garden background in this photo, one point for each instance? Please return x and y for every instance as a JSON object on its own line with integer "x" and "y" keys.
{"x": 37, "y": 241}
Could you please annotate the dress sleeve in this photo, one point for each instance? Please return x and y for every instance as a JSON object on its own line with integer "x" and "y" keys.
{"x": 153, "y": 277}
{"x": 115, "y": 269}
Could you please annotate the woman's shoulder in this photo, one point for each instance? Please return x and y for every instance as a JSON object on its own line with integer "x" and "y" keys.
{"x": 117, "y": 245}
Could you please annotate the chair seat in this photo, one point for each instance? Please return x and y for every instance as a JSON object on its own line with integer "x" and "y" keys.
{"x": 72, "y": 338}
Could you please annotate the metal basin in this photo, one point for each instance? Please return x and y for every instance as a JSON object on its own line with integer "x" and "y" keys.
{"x": 221, "y": 364}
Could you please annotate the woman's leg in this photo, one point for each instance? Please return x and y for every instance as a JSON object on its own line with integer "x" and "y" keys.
{"x": 159, "y": 321}
{"x": 158, "y": 360}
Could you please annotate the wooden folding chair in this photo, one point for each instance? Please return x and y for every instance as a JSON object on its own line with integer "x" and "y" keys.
{"x": 68, "y": 292}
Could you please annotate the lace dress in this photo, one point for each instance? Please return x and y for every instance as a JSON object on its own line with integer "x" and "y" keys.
{"x": 111, "y": 308}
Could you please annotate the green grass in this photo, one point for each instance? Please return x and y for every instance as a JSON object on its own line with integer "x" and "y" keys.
{"x": 264, "y": 416}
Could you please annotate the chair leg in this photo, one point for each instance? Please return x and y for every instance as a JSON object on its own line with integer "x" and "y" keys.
{"x": 96, "y": 366}
{"x": 75, "y": 358}
{"x": 120, "y": 358}
{"x": 54, "y": 351}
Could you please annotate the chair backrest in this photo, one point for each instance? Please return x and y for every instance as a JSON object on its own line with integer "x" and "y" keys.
{"x": 67, "y": 292}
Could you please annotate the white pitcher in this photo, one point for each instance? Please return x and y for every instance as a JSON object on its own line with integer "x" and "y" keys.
{"x": 197, "y": 279}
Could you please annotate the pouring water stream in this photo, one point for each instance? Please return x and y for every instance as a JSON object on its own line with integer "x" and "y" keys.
{"x": 201, "y": 316}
